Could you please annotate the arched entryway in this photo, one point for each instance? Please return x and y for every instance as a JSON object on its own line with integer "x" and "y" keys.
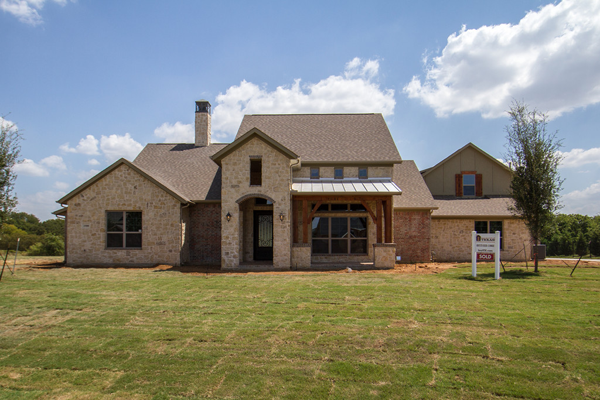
{"x": 256, "y": 218}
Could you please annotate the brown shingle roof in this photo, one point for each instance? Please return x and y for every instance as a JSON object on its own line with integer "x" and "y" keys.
{"x": 450, "y": 206}
{"x": 187, "y": 168}
{"x": 329, "y": 138}
{"x": 415, "y": 193}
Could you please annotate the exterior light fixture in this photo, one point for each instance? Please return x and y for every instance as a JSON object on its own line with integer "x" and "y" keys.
{"x": 281, "y": 217}
{"x": 228, "y": 216}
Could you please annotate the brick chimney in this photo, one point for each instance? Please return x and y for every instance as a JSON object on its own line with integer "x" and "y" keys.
{"x": 202, "y": 123}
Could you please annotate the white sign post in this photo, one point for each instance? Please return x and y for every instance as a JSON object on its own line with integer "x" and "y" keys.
{"x": 485, "y": 247}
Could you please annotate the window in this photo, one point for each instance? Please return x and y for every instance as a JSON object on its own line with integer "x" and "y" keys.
{"x": 339, "y": 235}
{"x": 314, "y": 173}
{"x": 255, "y": 172}
{"x": 489, "y": 227}
{"x": 261, "y": 202}
{"x": 340, "y": 207}
{"x": 124, "y": 229}
{"x": 338, "y": 173}
{"x": 362, "y": 173}
{"x": 468, "y": 181}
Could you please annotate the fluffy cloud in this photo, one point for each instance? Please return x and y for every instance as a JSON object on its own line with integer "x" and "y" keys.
{"x": 27, "y": 10}
{"x": 578, "y": 157}
{"x": 550, "y": 59}
{"x": 117, "y": 146}
{"x": 31, "y": 168}
{"x": 93, "y": 161}
{"x": 41, "y": 204}
{"x": 61, "y": 185}
{"x": 87, "y": 145}
{"x": 176, "y": 133}
{"x": 355, "y": 91}
{"x": 55, "y": 162}
{"x": 585, "y": 201}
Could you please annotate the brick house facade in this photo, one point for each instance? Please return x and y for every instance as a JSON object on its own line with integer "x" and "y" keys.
{"x": 291, "y": 191}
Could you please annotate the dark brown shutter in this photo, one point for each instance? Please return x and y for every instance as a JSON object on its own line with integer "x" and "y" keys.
{"x": 459, "y": 191}
{"x": 478, "y": 185}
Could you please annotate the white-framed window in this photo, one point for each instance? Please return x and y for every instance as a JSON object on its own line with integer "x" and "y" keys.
{"x": 468, "y": 184}
{"x": 123, "y": 229}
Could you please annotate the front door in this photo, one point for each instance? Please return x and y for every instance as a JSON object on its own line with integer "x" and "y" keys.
{"x": 263, "y": 235}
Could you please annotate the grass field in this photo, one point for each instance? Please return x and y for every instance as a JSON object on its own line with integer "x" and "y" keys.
{"x": 141, "y": 334}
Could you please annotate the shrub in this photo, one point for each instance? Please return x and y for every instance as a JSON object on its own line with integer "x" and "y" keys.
{"x": 51, "y": 245}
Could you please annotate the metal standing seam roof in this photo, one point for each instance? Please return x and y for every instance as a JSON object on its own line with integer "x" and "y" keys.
{"x": 328, "y": 138}
{"x": 382, "y": 186}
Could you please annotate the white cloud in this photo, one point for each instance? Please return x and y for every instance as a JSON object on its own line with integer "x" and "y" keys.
{"x": 40, "y": 204}
{"x": 176, "y": 133}
{"x": 31, "y": 168}
{"x": 4, "y": 123}
{"x": 549, "y": 59}
{"x": 55, "y": 162}
{"x": 93, "y": 161}
{"x": 585, "y": 201}
{"x": 117, "y": 146}
{"x": 27, "y": 10}
{"x": 578, "y": 157}
{"x": 87, "y": 145}
{"x": 355, "y": 91}
{"x": 61, "y": 185}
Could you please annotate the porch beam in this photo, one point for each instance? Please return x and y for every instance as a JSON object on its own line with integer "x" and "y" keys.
{"x": 364, "y": 203}
{"x": 314, "y": 210}
{"x": 379, "y": 221}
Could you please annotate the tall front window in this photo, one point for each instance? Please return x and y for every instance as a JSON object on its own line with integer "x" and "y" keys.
{"x": 255, "y": 172}
{"x": 468, "y": 184}
{"x": 339, "y": 235}
{"x": 124, "y": 229}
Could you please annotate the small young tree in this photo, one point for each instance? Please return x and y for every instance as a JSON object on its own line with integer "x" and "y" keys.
{"x": 9, "y": 155}
{"x": 532, "y": 153}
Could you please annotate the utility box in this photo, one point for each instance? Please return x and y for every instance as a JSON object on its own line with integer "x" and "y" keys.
{"x": 540, "y": 249}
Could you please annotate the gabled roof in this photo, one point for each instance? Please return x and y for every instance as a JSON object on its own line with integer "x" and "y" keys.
{"x": 427, "y": 171}
{"x": 158, "y": 181}
{"x": 240, "y": 140}
{"x": 487, "y": 207}
{"x": 329, "y": 138}
{"x": 188, "y": 168}
{"x": 415, "y": 193}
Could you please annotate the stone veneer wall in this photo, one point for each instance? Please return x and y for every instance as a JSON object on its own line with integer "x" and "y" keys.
{"x": 123, "y": 190}
{"x": 236, "y": 183}
{"x": 412, "y": 235}
{"x": 451, "y": 239}
{"x": 205, "y": 234}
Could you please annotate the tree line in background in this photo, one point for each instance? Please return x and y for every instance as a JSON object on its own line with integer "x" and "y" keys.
{"x": 37, "y": 238}
{"x": 573, "y": 234}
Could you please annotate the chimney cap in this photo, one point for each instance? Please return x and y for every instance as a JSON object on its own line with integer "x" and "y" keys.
{"x": 203, "y": 106}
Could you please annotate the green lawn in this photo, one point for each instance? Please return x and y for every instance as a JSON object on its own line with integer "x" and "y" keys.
{"x": 140, "y": 334}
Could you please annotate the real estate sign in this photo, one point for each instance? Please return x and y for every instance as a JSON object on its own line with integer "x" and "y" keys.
{"x": 485, "y": 247}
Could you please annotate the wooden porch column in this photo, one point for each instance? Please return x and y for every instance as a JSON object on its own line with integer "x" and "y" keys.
{"x": 304, "y": 221}
{"x": 388, "y": 220}
{"x": 295, "y": 221}
{"x": 379, "y": 221}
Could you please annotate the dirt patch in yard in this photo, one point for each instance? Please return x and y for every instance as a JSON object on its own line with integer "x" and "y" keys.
{"x": 417, "y": 268}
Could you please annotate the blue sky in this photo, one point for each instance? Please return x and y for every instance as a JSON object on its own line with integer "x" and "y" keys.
{"x": 88, "y": 82}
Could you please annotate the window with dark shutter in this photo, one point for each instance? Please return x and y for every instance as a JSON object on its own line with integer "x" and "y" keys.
{"x": 256, "y": 172}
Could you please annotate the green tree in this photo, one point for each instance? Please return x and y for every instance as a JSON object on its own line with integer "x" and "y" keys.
{"x": 55, "y": 227}
{"x": 27, "y": 222}
{"x": 532, "y": 153}
{"x": 9, "y": 156}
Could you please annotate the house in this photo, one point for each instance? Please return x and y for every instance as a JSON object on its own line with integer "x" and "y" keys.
{"x": 471, "y": 192}
{"x": 291, "y": 191}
